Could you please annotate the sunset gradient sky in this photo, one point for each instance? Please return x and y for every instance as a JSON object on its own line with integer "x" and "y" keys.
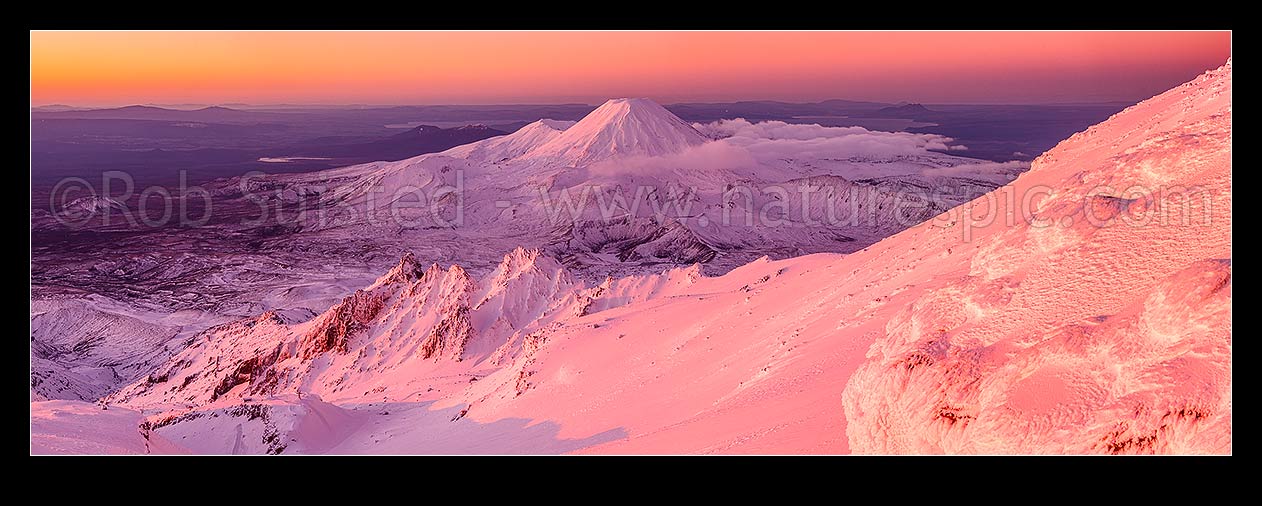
{"x": 121, "y": 68}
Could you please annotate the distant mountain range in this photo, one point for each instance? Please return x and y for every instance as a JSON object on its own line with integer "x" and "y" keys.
{"x": 909, "y": 111}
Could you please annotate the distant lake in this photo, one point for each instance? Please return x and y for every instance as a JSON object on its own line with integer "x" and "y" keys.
{"x": 289, "y": 159}
{"x": 452, "y": 124}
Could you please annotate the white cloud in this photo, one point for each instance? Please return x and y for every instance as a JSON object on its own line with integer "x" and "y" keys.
{"x": 740, "y": 144}
{"x": 1001, "y": 172}
{"x": 770, "y": 140}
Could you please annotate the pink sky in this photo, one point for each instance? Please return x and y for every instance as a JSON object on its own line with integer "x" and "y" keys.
{"x": 119, "y": 67}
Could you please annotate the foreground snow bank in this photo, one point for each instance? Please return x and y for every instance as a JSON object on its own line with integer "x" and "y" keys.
{"x": 1107, "y": 330}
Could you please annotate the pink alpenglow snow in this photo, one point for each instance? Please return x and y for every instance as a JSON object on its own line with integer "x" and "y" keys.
{"x": 1082, "y": 308}
{"x": 621, "y": 127}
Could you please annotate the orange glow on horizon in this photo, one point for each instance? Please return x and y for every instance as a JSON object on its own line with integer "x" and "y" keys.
{"x": 120, "y": 68}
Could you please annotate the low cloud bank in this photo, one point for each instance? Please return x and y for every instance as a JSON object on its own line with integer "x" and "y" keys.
{"x": 740, "y": 144}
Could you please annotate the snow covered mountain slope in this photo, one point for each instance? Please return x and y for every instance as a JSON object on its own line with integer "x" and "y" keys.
{"x": 411, "y": 323}
{"x": 632, "y": 186}
{"x": 80, "y": 351}
{"x": 1068, "y": 334}
{"x": 1105, "y": 330}
{"x": 514, "y": 145}
{"x": 621, "y": 127}
{"x": 1083, "y": 308}
{"x": 73, "y": 427}
{"x": 86, "y": 207}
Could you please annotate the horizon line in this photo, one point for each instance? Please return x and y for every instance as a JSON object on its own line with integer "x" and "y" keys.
{"x": 330, "y": 105}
